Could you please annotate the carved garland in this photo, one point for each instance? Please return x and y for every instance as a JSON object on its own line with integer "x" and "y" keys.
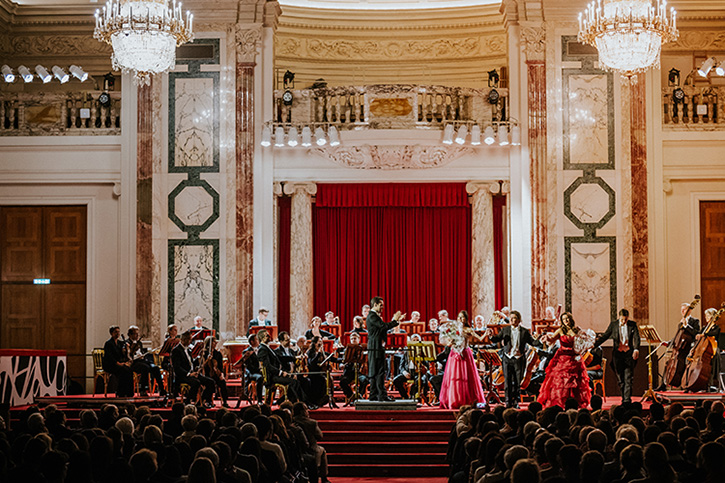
{"x": 392, "y": 157}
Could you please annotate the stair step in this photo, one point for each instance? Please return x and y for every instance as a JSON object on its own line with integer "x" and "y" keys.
{"x": 338, "y": 447}
{"x": 386, "y": 436}
{"x": 326, "y": 414}
{"x": 362, "y": 424}
{"x": 397, "y": 470}
{"x": 393, "y": 457}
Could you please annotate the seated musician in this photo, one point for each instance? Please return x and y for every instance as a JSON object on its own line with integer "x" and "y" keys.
{"x": 443, "y": 317}
{"x": 437, "y": 380}
{"x": 408, "y": 372}
{"x": 213, "y": 367}
{"x": 358, "y": 325}
{"x": 433, "y": 325}
{"x": 116, "y": 362}
{"x": 141, "y": 365}
{"x": 316, "y": 365}
{"x": 348, "y": 371}
{"x": 330, "y": 319}
{"x": 315, "y": 331}
{"x": 252, "y": 369}
{"x": 172, "y": 332}
{"x": 273, "y": 367}
{"x": 365, "y": 311}
{"x": 414, "y": 316}
{"x": 714, "y": 335}
{"x": 479, "y": 323}
{"x": 199, "y": 323}
{"x": 594, "y": 366}
{"x": 186, "y": 373}
{"x": 545, "y": 356}
{"x": 287, "y": 356}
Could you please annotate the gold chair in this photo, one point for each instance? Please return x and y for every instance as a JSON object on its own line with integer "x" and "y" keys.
{"x": 271, "y": 389}
{"x": 99, "y": 372}
{"x": 600, "y": 382}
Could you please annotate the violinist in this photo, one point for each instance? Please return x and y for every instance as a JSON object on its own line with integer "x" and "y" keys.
{"x": 433, "y": 325}
{"x": 116, "y": 362}
{"x": 355, "y": 356}
{"x": 358, "y": 325}
{"x": 316, "y": 364}
{"x": 252, "y": 369}
{"x": 140, "y": 365}
{"x": 186, "y": 373}
{"x": 713, "y": 334}
{"x": 287, "y": 356}
{"x": 275, "y": 373}
{"x": 211, "y": 367}
{"x": 315, "y": 331}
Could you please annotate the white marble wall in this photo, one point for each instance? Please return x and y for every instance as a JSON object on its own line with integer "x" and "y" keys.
{"x": 588, "y": 116}
{"x": 193, "y": 283}
{"x": 194, "y": 122}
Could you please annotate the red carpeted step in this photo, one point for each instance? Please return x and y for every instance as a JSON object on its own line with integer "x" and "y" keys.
{"x": 342, "y": 447}
{"x": 386, "y": 425}
{"x": 386, "y": 436}
{"x": 393, "y": 457}
{"x": 348, "y": 413}
{"x": 390, "y": 470}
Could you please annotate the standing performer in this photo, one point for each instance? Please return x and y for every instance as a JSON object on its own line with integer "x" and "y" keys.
{"x": 377, "y": 335}
{"x": 566, "y": 375}
{"x": 625, "y": 352}
{"x": 713, "y": 336}
{"x": 514, "y": 338}
{"x": 461, "y": 384}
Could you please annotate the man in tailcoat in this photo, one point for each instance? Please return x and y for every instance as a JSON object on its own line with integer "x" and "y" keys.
{"x": 377, "y": 335}
{"x": 625, "y": 350}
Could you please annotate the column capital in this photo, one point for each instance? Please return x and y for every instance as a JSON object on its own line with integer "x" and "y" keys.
{"x": 248, "y": 41}
{"x": 533, "y": 41}
{"x": 277, "y": 188}
{"x": 308, "y": 188}
{"x": 474, "y": 187}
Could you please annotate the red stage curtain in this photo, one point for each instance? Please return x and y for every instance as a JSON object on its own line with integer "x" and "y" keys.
{"x": 499, "y": 210}
{"x": 409, "y": 243}
{"x": 283, "y": 264}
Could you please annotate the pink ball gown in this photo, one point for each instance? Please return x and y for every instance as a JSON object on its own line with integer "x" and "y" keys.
{"x": 566, "y": 376}
{"x": 461, "y": 383}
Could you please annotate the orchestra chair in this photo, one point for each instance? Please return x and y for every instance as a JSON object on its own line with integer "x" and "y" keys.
{"x": 600, "y": 382}
{"x": 335, "y": 329}
{"x": 271, "y": 388}
{"x": 99, "y": 372}
{"x": 164, "y": 375}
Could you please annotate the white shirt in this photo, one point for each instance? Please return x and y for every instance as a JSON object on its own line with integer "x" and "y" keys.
{"x": 515, "y": 334}
{"x": 623, "y": 338}
{"x": 191, "y": 363}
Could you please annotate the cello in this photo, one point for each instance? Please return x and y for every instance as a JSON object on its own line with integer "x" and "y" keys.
{"x": 681, "y": 344}
{"x": 699, "y": 364}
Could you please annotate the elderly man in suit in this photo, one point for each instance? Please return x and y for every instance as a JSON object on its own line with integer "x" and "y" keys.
{"x": 514, "y": 337}
{"x": 377, "y": 335}
{"x": 625, "y": 350}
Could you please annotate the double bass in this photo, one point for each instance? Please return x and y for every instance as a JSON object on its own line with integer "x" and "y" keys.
{"x": 699, "y": 364}
{"x": 681, "y": 344}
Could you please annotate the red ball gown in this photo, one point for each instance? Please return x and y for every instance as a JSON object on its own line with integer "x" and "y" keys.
{"x": 566, "y": 376}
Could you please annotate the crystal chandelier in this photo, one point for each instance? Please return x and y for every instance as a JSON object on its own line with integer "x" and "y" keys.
{"x": 144, "y": 35}
{"x": 628, "y": 33}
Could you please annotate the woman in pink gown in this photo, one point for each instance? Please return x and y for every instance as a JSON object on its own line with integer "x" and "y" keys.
{"x": 461, "y": 383}
{"x": 566, "y": 374}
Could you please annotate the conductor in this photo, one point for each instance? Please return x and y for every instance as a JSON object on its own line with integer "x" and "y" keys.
{"x": 377, "y": 335}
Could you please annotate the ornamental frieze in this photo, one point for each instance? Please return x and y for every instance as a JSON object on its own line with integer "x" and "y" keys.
{"x": 392, "y": 157}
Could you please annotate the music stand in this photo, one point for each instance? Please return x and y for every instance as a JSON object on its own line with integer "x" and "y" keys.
{"x": 652, "y": 337}
{"x": 421, "y": 352}
{"x": 491, "y": 359}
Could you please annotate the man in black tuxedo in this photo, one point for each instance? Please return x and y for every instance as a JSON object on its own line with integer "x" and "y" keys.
{"x": 116, "y": 362}
{"x": 625, "y": 350}
{"x": 260, "y": 320}
{"x": 515, "y": 337}
{"x": 437, "y": 380}
{"x": 273, "y": 367}
{"x": 185, "y": 373}
{"x": 377, "y": 335}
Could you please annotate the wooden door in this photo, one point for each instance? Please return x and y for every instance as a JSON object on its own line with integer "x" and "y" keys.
{"x": 712, "y": 253}
{"x": 44, "y": 242}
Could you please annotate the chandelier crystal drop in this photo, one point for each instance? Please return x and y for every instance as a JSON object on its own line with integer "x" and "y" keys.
{"x": 628, "y": 34}
{"x": 144, "y": 35}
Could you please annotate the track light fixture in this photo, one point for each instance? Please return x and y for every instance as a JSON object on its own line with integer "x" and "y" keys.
{"x": 8, "y": 74}
{"x": 60, "y": 74}
{"x": 306, "y": 137}
{"x": 25, "y": 74}
{"x": 462, "y": 134}
{"x": 292, "y": 137}
{"x": 279, "y": 136}
{"x": 320, "y": 139}
{"x": 706, "y": 66}
{"x": 720, "y": 69}
{"x": 266, "y": 137}
{"x": 78, "y": 73}
{"x": 503, "y": 135}
{"x": 488, "y": 135}
{"x": 497, "y": 132}
{"x": 516, "y": 136}
{"x": 334, "y": 136}
{"x": 43, "y": 74}
{"x": 476, "y": 135}
{"x": 448, "y": 134}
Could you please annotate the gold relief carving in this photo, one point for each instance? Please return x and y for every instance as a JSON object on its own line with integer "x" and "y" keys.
{"x": 48, "y": 114}
{"x": 533, "y": 40}
{"x": 391, "y": 49}
{"x": 49, "y": 45}
{"x": 249, "y": 41}
{"x": 392, "y": 157}
{"x": 698, "y": 40}
{"x": 395, "y": 107}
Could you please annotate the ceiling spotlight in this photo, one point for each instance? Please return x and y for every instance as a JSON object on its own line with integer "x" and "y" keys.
{"x": 266, "y": 137}
{"x": 60, "y": 74}
{"x": 720, "y": 69}
{"x": 503, "y": 135}
{"x": 462, "y": 133}
{"x": 488, "y": 135}
{"x": 334, "y": 136}
{"x": 706, "y": 66}
{"x": 78, "y": 73}
{"x": 320, "y": 137}
{"x": 448, "y": 134}
{"x": 292, "y": 137}
{"x": 516, "y": 136}
{"x": 279, "y": 136}
{"x": 43, "y": 74}
{"x": 306, "y": 136}
{"x": 8, "y": 74}
{"x": 25, "y": 74}
{"x": 475, "y": 135}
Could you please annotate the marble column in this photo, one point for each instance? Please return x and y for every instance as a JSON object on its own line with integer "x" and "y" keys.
{"x": 638, "y": 167}
{"x": 301, "y": 281}
{"x": 483, "y": 279}
{"x": 533, "y": 41}
{"x": 144, "y": 201}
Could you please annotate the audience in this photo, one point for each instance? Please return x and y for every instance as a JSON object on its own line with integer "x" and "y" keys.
{"x": 568, "y": 445}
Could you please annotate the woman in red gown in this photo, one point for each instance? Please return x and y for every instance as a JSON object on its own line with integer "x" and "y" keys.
{"x": 566, "y": 375}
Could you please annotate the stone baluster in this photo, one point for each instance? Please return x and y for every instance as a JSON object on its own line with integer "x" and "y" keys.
{"x": 301, "y": 281}
{"x": 2, "y": 114}
{"x": 483, "y": 280}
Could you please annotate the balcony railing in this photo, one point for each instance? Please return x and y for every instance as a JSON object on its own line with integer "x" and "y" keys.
{"x": 699, "y": 109}
{"x": 391, "y": 106}
{"x": 59, "y": 113}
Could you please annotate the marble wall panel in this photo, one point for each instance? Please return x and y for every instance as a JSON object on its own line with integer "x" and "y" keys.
{"x": 588, "y": 118}
{"x": 591, "y": 282}
{"x": 193, "y": 282}
{"x": 194, "y": 122}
